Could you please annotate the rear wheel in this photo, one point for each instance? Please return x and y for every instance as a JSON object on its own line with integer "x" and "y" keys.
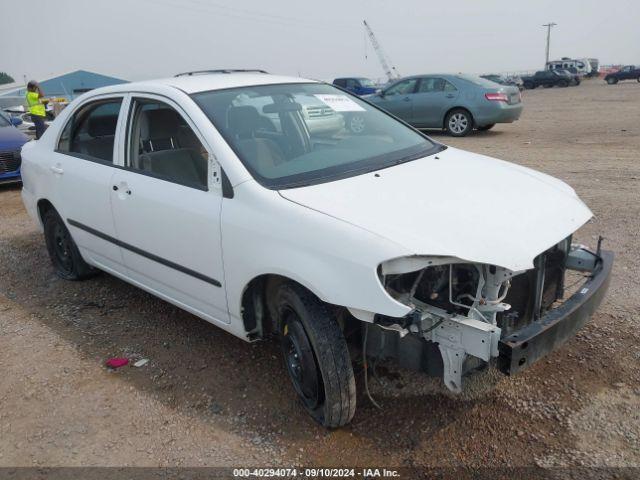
{"x": 316, "y": 356}
{"x": 64, "y": 254}
{"x": 486, "y": 127}
{"x": 458, "y": 122}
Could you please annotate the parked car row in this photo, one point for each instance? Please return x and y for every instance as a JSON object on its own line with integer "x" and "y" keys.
{"x": 550, "y": 78}
{"x": 455, "y": 103}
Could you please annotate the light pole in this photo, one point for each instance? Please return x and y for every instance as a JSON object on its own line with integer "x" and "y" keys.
{"x": 548, "y": 25}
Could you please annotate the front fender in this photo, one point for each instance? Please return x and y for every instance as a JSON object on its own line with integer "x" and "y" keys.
{"x": 264, "y": 233}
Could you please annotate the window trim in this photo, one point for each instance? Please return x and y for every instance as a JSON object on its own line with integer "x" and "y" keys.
{"x": 70, "y": 116}
{"x": 126, "y": 135}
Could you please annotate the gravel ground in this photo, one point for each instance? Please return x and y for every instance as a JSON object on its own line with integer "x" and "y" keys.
{"x": 207, "y": 398}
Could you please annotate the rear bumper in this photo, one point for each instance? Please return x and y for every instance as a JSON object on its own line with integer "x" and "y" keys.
{"x": 500, "y": 113}
{"x": 524, "y": 347}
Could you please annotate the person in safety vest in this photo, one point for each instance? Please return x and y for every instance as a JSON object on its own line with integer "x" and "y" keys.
{"x": 36, "y": 107}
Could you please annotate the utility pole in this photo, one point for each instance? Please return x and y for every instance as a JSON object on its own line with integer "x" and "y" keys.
{"x": 548, "y": 25}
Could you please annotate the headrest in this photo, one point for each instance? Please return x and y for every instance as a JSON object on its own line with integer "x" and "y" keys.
{"x": 243, "y": 120}
{"x": 163, "y": 123}
{"x": 102, "y": 125}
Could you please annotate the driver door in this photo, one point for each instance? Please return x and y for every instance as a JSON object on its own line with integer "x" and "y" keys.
{"x": 398, "y": 99}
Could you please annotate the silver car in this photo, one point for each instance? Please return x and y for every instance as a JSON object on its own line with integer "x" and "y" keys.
{"x": 455, "y": 103}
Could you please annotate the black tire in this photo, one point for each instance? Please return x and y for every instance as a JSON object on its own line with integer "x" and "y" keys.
{"x": 563, "y": 83}
{"x": 63, "y": 252}
{"x": 529, "y": 85}
{"x": 484, "y": 128}
{"x": 638, "y": 79}
{"x": 458, "y": 122}
{"x": 612, "y": 80}
{"x": 316, "y": 356}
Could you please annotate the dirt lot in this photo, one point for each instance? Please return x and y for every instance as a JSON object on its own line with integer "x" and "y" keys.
{"x": 207, "y": 398}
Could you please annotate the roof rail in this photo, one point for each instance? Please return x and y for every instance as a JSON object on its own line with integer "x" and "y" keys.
{"x": 225, "y": 70}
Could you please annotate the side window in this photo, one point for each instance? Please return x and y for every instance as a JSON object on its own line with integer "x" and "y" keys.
{"x": 449, "y": 87}
{"x": 340, "y": 82}
{"x": 402, "y": 88}
{"x": 427, "y": 85}
{"x": 91, "y": 130}
{"x": 162, "y": 144}
{"x": 351, "y": 84}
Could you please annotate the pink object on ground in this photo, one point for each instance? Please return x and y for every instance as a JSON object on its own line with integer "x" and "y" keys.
{"x": 117, "y": 362}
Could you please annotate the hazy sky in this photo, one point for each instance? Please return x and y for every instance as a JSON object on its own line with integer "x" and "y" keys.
{"x": 137, "y": 39}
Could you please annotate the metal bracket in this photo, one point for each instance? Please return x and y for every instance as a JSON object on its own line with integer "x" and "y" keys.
{"x": 452, "y": 358}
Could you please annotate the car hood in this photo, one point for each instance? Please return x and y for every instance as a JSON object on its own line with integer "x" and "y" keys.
{"x": 11, "y": 137}
{"x": 458, "y": 204}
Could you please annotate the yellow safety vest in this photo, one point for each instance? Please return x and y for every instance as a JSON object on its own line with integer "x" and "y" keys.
{"x": 35, "y": 106}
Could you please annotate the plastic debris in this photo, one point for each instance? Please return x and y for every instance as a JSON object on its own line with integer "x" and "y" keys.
{"x": 117, "y": 362}
{"x": 141, "y": 363}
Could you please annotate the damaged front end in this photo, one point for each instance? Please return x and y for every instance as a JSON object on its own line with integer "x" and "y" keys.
{"x": 466, "y": 314}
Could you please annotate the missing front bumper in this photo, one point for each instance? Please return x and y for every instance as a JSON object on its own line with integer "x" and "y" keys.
{"x": 524, "y": 347}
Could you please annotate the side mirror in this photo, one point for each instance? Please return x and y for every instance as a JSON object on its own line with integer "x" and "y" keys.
{"x": 15, "y": 121}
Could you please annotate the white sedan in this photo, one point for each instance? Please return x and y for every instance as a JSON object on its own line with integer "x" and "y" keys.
{"x": 383, "y": 241}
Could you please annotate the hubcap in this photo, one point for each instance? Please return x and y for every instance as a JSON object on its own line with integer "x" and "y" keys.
{"x": 356, "y": 124}
{"x": 458, "y": 122}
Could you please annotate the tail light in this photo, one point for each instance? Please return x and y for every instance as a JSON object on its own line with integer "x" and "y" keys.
{"x": 496, "y": 97}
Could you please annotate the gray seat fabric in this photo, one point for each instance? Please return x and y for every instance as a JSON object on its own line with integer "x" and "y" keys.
{"x": 182, "y": 165}
{"x": 159, "y": 129}
{"x": 262, "y": 153}
{"x": 245, "y": 121}
{"x": 99, "y": 138}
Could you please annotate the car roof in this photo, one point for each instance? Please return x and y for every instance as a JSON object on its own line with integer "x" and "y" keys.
{"x": 203, "y": 82}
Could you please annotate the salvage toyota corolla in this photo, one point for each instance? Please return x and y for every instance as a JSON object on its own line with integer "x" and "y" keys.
{"x": 211, "y": 191}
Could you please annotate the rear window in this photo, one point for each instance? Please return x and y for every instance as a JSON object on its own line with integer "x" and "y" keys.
{"x": 479, "y": 81}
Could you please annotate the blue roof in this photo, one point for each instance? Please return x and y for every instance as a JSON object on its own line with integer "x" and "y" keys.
{"x": 73, "y": 84}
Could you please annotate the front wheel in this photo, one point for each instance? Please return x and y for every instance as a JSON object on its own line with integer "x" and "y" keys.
{"x": 316, "y": 356}
{"x": 64, "y": 254}
{"x": 613, "y": 80}
{"x": 563, "y": 83}
{"x": 458, "y": 123}
{"x": 529, "y": 85}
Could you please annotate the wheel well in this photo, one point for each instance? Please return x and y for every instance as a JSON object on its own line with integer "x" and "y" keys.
{"x": 444, "y": 119}
{"x": 258, "y": 309}
{"x": 44, "y": 206}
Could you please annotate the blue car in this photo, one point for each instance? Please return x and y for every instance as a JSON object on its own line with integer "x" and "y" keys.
{"x": 357, "y": 85}
{"x": 11, "y": 141}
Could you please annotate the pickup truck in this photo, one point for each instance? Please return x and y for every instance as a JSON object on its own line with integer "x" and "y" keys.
{"x": 546, "y": 78}
{"x": 628, "y": 72}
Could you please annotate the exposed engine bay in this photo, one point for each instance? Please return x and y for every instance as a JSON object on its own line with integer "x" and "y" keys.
{"x": 462, "y": 310}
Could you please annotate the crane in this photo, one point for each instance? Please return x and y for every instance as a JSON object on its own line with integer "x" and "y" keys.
{"x": 391, "y": 71}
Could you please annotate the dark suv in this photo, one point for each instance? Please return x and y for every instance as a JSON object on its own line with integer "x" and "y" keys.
{"x": 628, "y": 72}
{"x": 546, "y": 78}
{"x": 357, "y": 85}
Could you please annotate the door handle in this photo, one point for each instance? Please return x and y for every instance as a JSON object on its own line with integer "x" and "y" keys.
{"x": 450, "y": 95}
{"x": 406, "y": 99}
{"x": 56, "y": 169}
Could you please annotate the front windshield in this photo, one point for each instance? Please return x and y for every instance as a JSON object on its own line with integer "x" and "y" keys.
{"x": 290, "y": 135}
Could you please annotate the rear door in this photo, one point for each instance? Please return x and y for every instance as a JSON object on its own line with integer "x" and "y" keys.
{"x": 398, "y": 99}
{"x": 433, "y": 98}
{"x": 82, "y": 168}
{"x": 166, "y": 205}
